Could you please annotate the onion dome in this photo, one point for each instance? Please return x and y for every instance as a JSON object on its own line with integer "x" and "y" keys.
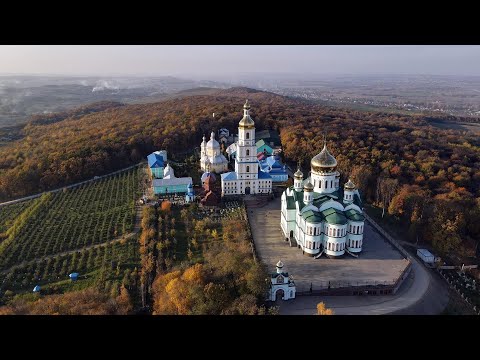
{"x": 308, "y": 187}
{"x": 349, "y": 185}
{"x": 298, "y": 174}
{"x": 212, "y": 143}
{"x": 279, "y": 264}
{"x": 323, "y": 161}
{"x": 246, "y": 121}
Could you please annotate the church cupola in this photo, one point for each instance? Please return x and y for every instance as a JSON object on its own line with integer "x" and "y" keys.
{"x": 279, "y": 267}
{"x": 298, "y": 179}
{"x": 349, "y": 191}
{"x": 308, "y": 193}
{"x": 246, "y": 122}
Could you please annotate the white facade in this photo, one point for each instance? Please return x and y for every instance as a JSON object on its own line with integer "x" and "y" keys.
{"x": 246, "y": 179}
{"x": 211, "y": 158}
{"x": 282, "y": 286}
{"x": 319, "y": 215}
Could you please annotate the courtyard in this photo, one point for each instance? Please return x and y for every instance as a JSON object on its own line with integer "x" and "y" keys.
{"x": 379, "y": 263}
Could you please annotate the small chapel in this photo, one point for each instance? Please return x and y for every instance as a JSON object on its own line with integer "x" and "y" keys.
{"x": 282, "y": 286}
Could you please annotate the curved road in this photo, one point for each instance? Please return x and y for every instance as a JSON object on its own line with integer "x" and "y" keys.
{"x": 423, "y": 293}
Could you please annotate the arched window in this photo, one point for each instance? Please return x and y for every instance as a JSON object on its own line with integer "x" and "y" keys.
{"x": 248, "y": 152}
{"x": 326, "y": 184}
{"x": 248, "y": 168}
{"x": 336, "y": 247}
{"x": 248, "y": 135}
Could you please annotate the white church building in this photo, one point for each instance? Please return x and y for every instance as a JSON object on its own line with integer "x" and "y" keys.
{"x": 211, "y": 157}
{"x": 282, "y": 286}
{"x": 246, "y": 179}
{"x": 319, "y": 215}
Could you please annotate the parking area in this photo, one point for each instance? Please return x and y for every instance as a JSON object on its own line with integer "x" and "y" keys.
{"x": 379, "y": 262}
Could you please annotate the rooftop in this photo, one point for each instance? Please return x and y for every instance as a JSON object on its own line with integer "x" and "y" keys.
{"x": 155, "y": 160}
{"x": 172, "y": 182}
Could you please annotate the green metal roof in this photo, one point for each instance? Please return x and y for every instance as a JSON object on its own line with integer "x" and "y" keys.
{"x": 290, "y": 202}
{"x": 318, "y": 201}
{"x": 357, "y": 201}
{"x": 261, "y": 142}
{"x": 354, "y": 215}
{"x": 312, "y": 216}
{"x": 334, "y": 216}
{"x": 275, "y": 274}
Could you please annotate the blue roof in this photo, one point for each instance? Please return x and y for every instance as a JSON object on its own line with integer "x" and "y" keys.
{"x": 73, "y": 275}
{"x": 272, "y": 165}
{"x": 206, "y": 174}
{"x": 172, "y": 182}
{"x": 262, "y": 175}
{"x": 36, "y": 288}
{"x": 155, "y": 160}
{"x": 232, "y": 175}
{"x": 278, "y": 171}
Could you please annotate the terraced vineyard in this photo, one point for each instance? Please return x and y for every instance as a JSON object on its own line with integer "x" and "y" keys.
{"x": 90, "y": 214}
{"x": 9, "y": 213}
{"x": 105, "y": 266}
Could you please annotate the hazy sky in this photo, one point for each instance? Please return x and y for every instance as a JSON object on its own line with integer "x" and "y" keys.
{"x": 211, "y": 61}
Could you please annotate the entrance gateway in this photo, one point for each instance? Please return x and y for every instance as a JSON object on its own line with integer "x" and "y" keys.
{"x": 282, "y": 286}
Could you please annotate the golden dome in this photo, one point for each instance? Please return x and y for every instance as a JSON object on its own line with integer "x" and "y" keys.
{"x": 350, "y": 185}
{"x": 323, "y": 161}
{"x": 298, "y": 174}
{"x": 246, "y": 121}
{"x": 308, "y": 187}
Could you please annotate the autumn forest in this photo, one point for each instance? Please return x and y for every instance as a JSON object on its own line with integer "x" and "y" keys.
{"x": 425, "y": 177}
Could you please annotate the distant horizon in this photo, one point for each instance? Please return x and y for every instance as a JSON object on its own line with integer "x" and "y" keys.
{"x": 215, "y": 61}
{"x": 207, "y": 78}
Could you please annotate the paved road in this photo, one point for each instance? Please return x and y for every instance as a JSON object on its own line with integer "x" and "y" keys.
{"x": 422, "y": 293}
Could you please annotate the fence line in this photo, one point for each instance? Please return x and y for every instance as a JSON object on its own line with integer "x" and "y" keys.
{"x": 388, "y": 237}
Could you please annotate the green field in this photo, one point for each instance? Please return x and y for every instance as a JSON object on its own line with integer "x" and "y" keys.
{"x": 76, "y": 230}
{"x": 93, "y": 213}
{"x": 104, "y": 266}
{"x": 9, "y": 213}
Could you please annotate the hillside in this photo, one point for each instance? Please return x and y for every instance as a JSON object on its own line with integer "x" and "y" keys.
{"x": 68, "y": 147}
{"x": 56, "y": 150}
{"x": 427, "y": 165}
